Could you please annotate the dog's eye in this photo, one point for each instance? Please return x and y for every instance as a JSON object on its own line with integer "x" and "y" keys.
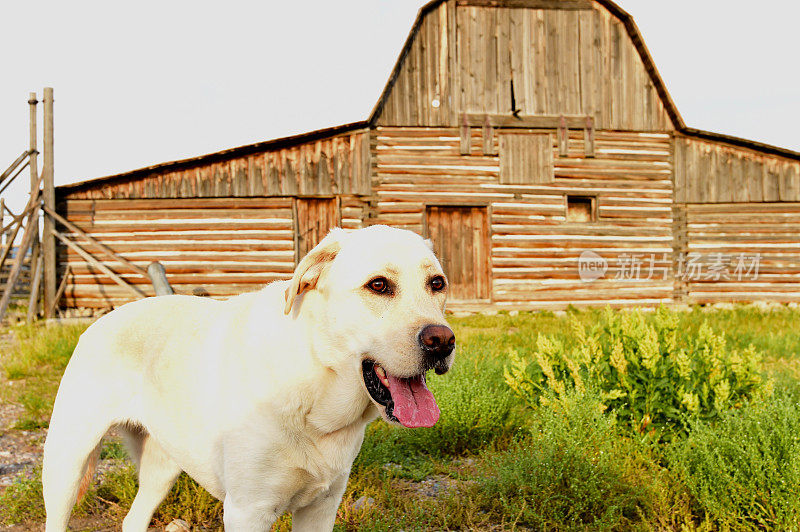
{"x": 437, "y": 283}
{"x": 379, "y": 285}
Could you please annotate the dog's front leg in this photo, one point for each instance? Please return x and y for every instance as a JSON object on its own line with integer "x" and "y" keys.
{"x": 320, "y": 515}
{"x": 239, "y": 516}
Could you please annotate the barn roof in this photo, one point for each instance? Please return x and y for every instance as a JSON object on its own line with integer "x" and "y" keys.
{"x": 240, "y": 151}
{"x": 624, "y": 17}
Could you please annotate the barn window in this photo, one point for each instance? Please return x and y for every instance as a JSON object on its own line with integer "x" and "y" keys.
{"x": 581, "y": 209}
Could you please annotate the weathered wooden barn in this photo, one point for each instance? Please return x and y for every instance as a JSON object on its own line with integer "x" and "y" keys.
{"x": 533, "y": 140}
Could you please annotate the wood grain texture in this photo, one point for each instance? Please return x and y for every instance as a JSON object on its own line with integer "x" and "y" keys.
{"x": 764, "y": 236}
{"x": 315, "y": 218}
{"x": 335, "y": 165}
{"x": 562, "y": 61}
{"x": 526, "y": 158}
{"x": 534, "y": 251}
{"x": 222, "y": 245}
{"x": 529, "y": 4}
{"x": 715, "y": 172}
{"x": 460, "y": 238}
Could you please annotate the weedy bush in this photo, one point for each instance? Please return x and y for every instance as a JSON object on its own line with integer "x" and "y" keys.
{"x": 642, "y": 372}
{"x": 573, "y": 471}
{"x": 744, "y": 469}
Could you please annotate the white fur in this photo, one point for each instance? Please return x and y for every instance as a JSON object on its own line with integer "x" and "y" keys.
{"x": 265, "y": 410}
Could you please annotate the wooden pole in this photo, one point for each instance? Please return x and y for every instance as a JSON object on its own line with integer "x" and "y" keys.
{"x": 34, "y": 169}
{"x": 13, "y": 166}
{"x": 10, "y": 242}
{"x": 13, "y": 177}
{"x": 31, "y": 205}
{"x": 48, "y": 242}
{"x": 60, "y": 291}
{"x": 3, "y": 222}
{"x": 16, "y": 270}
{"x": 36, "y": 284}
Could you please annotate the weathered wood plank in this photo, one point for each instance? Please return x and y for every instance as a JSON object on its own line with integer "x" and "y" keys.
{"x": 529, "y": 4}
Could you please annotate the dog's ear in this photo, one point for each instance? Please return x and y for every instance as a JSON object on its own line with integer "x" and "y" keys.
{"x": 310, "y": 268}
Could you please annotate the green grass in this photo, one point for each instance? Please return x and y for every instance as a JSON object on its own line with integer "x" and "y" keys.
{"x": 575, "y": 469}
{"x": 499, "y": 462}
{"x": 36, "y": 366}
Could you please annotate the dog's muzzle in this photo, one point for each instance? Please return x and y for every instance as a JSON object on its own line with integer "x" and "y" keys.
{"x": 437, "y": 343}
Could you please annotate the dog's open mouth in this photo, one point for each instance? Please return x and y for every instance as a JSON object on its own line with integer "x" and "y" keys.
{"x": 407, "y": 400}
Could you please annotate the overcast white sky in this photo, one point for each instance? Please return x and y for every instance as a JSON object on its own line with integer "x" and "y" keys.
{"x": 152, "y": 81}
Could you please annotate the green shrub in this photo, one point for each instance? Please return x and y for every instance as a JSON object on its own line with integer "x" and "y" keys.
{"x": 744, "y": 469}
{"x": 573, "y": 471}
{"x": 642, "y": 372}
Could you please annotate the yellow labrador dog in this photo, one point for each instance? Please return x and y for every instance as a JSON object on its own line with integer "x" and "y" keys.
{"x": 263, "y": 398}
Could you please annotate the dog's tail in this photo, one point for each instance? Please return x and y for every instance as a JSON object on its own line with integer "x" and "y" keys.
{"x": 88, "y": 472}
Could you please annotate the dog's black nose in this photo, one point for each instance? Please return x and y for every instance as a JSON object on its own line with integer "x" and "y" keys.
{"x": 437, "y": 341}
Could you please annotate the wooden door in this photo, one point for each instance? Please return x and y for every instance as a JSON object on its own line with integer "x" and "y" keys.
{"x": 461, "y": 241}
{"x": 314, "y": 218}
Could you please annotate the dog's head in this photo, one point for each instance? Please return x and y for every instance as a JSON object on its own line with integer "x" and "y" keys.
{"x": 382, "y": 292}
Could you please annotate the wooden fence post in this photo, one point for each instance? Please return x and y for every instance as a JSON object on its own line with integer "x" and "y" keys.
{"x": 36, "y": 280}
{"x": 48, "y": 240}
{"x": 34, "y": 219}
{"x": 16, "y": 269}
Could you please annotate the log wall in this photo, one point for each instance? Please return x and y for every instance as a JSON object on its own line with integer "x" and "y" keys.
{"x": 578, "y": 60}
{"x": 534, "y": 251}
{"x": 216, "y": 246}
{"x": 335, "y": 165}
{"x": 742, "y": 252}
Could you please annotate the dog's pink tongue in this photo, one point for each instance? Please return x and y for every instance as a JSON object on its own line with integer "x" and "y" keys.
{"x": 414, "y": 405}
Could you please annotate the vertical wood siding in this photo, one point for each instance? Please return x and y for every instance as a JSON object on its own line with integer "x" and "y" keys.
{"x": 336, "y": 165}
{"x": 534, "y": 252}
{"x": 723, "y": 233}
{"x": 460, "y": 238}
{"x": 314, "y": 217}
{"x": 224, "y": 246}
{"x": 526, "y": 158}
{"x": 560, "y": 61}
{"x": 712, "y": 172}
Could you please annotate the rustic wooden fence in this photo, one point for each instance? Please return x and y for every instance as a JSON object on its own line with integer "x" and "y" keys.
{"x": 28, "y": 258}
{"x": 23, "y": 286}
